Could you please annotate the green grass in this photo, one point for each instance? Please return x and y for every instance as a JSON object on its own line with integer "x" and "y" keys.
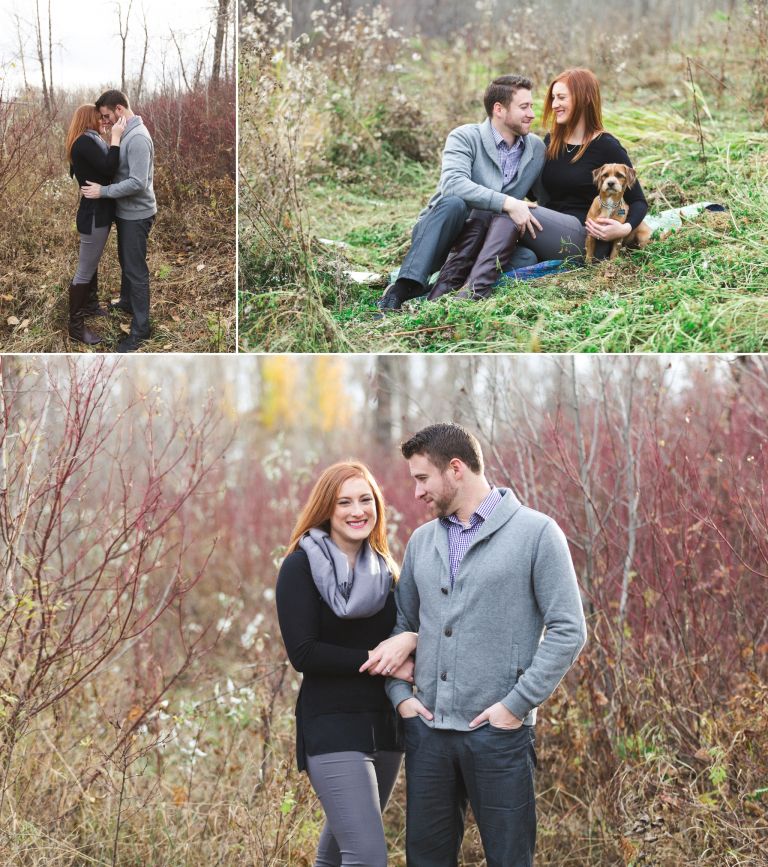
{"x": 701, "y": 289}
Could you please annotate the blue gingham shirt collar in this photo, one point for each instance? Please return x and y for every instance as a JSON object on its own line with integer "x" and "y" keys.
{"x": 509, "y": 155}
{"x": 460, "y": 538}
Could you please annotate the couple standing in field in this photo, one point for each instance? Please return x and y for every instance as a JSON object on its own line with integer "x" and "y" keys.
{"x": 477, "y": 225}
{"x": 448, "y": 663}
{"x": 116, "y": 185}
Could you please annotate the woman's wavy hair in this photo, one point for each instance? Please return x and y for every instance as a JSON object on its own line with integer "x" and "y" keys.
{"x": 585, "y": 98}
{"x": 85, "y": 117}
{"x": 319, "y": 507}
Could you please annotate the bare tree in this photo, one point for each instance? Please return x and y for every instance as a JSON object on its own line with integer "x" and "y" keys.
{"x": 21, "y": 52}
{"x": 123, "y": 29}
{"x": 47, "y": 101}
{"x": 140, "y": 84}
{"x": 218, "y": 42}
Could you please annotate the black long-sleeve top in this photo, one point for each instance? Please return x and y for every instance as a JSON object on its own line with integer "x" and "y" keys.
{"x": 90, "y": 163}
{"x": 570, "y": 186}
{"x": 338, "y": 708}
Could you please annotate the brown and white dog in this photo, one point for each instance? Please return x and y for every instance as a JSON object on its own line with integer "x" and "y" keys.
{"x": 612, "y": 180}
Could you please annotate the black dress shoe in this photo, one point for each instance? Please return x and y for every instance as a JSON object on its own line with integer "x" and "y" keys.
{"x": 116, "y": 306}
{"x": 130, "y": 343}
{"x": 390, "y": 300}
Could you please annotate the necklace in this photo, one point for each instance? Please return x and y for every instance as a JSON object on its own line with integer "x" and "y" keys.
{"x": 571, "y": 148}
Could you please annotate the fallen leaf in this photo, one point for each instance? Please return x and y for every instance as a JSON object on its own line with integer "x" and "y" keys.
{"x": 175, "y": 317}
{"x": 7, "y": 297}
{"x": 12, "y": 320}
{"x": 126, "y": 329}
{"x": 200, "y": 266}
{"x": 167, "y": 346}
{"x": 25, "y": 323}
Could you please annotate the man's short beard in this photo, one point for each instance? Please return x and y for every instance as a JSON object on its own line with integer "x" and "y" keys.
{"x": 443, "y": 505}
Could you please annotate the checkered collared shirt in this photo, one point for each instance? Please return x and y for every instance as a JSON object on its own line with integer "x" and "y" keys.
{"x": 509, "y": 157}
{"x": 460, "y": 538}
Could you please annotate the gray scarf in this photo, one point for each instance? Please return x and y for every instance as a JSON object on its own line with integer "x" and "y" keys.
{"x": 350, "y": 593}
{"x": 91, "y": 133}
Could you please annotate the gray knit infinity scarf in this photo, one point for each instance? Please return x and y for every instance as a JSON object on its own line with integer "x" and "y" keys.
{"x": 350, "y": 593}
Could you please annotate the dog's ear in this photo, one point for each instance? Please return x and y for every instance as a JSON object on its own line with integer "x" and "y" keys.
{"x": 596, "y": 175}
{"x": 631, "y": 177}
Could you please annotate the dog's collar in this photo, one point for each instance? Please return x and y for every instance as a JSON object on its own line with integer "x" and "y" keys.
{"x": 611, "y": 208}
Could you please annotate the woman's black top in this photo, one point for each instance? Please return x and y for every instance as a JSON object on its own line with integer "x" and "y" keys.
{"x": 571, "y": 188}
{"x": 338, "y": 708}
{"x": 90, "y": 163}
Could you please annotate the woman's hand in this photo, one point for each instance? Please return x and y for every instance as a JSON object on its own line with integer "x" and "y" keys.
{"x": 118, "y": 128}
{"x": 405, "y": 671}
{"x": 390, "y": 654}
{"x": 605, "y": 229}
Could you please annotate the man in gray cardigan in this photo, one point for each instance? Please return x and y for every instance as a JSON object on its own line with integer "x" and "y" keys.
{"x": 490, "y": 589}
{"x": 136, "y": 207}
{"x": 489, "y": 166}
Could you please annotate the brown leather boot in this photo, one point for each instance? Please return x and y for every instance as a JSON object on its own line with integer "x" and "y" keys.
{"x": 92, "y": 306}
{"x": 78, "y": 330}
{"x": 493, "y": 258}
{"x": 454, "y": 273}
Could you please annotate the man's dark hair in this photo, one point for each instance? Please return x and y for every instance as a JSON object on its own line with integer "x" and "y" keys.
{"x": 441, "y": 443}
{"x": 110, "y": 98}
{"x": 502, "y": 89}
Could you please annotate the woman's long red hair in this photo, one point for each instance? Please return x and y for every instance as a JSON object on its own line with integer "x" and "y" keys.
{"x": 322, "y": 501}
{"x": 586, "y": 104}
{"x": 85, "y": 117}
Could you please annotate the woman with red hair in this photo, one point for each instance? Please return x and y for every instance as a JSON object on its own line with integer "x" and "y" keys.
{"x": 334, "y": 601}
{"x": 577, "y": 143}
{"x": 90, "y": 159}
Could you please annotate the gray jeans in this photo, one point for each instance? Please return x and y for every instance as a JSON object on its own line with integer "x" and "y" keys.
{"x": 91, "y": 248}
{"x": 561, "y": 236}
{"x": 353, "y": 788}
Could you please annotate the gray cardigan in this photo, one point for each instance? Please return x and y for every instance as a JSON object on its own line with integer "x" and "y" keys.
{"x": 471, "y": 169}
{"x": 481, "y": 642}
{"x": 132, "y": 187}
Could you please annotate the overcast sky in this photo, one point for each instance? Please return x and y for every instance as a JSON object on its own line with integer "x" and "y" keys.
{"x": 86, "y": 40}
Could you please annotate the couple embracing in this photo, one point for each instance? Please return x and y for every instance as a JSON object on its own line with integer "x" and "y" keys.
{"x": 116, "y": 185}
{"x": 448, "y": 663}
{"x": 478, "y": 224}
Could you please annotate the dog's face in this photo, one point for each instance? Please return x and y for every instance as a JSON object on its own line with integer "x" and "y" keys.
{"x": 614, "y": 178}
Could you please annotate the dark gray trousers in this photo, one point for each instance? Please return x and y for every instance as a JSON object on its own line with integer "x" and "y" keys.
{"x": 432, "y": 239}
{"x": 132, "y": 238}
{"x": 353, "y": 788}
{"x": 492, "y": 770}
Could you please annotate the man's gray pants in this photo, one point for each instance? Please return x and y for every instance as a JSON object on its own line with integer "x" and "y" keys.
{"x": 432, "y": 238}
{"x": 134, "y": 284}
{"x": 353, "y": 788}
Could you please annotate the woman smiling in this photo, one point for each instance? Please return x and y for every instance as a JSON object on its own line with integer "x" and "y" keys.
{"x": 334, "y": 601}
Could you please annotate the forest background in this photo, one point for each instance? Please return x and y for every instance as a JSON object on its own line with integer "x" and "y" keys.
{"x": 181, "y": 80}
{"x": 146, "y": 703}
{"x": 345, "y": 107}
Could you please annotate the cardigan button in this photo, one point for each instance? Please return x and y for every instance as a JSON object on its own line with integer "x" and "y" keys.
{"x": 444, "y": 591}
{"x": 448, "y": 632}
{"x": 444, "y": 676}
{"x": 520, "y": 672}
